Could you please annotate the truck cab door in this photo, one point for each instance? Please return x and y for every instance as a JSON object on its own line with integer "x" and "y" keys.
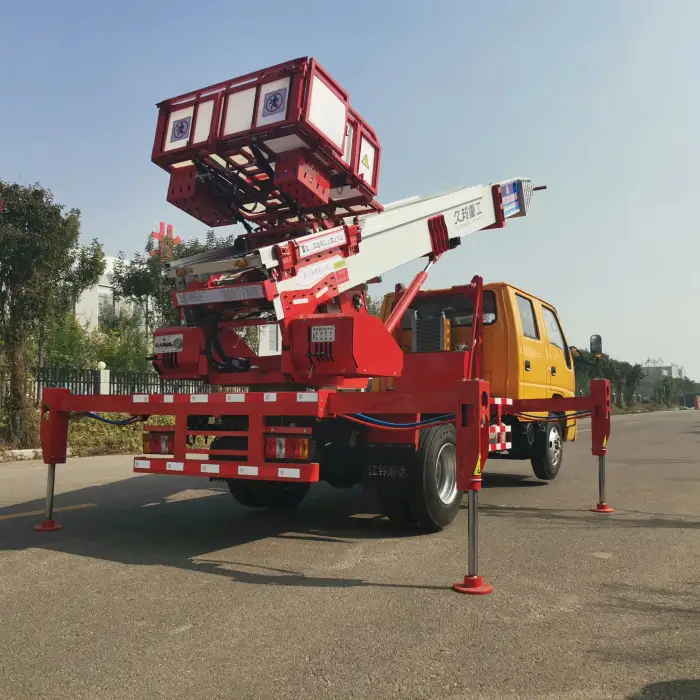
{"x": 560, "y": 369}
{"x": 533, "y": 356}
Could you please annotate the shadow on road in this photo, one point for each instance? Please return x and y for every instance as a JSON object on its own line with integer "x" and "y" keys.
{"x": 178, "y": 521}
{"x": 666, "y": 629}
{"x": 495, "y": 480}
{"x": 183, "y": 522}
{"x": 645, "y": 461}
{"x": 581, "y": 518}
{"x": 683, "y": 689}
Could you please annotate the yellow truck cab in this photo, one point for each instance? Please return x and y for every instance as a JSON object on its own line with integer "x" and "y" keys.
{"x": 525, "y": 356}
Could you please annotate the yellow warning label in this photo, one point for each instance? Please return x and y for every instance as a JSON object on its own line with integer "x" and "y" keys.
{"x": 365, "y": 161}
{"x": 605, "y": 441}
{"x": 477, "y": 468}
{"x": 339, "y": 265}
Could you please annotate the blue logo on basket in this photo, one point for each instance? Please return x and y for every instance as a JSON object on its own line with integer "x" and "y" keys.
{"x": 274, "y": 102}
{"x": 181, "y": 129}
{"x": 511, "y": 199}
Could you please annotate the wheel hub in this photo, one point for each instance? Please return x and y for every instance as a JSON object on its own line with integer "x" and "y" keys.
{"x": 554, "y": 446}
{"x": 446, "y": 474}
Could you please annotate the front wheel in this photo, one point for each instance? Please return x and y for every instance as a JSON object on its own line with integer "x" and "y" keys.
{"x": 547, "y": 452}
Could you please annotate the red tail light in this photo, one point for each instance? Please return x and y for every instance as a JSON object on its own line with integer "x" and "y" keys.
{"x": 159, "y": 443}
{"x": 287, "y": 448}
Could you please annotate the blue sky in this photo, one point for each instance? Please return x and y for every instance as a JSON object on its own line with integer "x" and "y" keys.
{"x": 597, "y": 100}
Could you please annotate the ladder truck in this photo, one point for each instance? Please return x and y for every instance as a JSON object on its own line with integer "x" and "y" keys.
{"x": 282, "y": 153}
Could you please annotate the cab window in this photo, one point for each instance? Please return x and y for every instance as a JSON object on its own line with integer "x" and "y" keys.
{"x": 458, "y": 309}
{"x": 556, "y": 337}
{"x": 527, "y": 317}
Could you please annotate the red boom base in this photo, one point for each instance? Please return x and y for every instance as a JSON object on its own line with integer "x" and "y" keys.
{"x": 48, "y": 526}
{"x": 473, "y": 585}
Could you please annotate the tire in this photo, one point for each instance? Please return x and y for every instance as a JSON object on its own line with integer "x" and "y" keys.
{"x": 275, "y": 495}
{"x": 429, "y": 499}
{"x": 523, "y": 435}
{"x": 547, "y": 452}
{"x": 434, "y": 499}
{"x": 396, "y": 507}
{"x": 241, "y": 491}
{"x": 341, "y": 460}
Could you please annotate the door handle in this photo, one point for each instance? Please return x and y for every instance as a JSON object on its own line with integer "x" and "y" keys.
{"x": 527, "y": 365}
{"x": 554, "y": 371}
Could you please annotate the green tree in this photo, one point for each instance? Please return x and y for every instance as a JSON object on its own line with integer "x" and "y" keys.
{"x": 43, "y": 270}
{"x": 585, "y": 369}
{"x": 122, "y": 341}
{"x": 374, "y": 304}
{"x": 142, "y": 279}
{"x": 67, "y": 344}
{"x": 633, "y": 378}
{"x": 663, "y": 392}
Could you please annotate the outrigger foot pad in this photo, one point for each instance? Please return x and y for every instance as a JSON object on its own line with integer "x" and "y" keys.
{"x": 473, "y": 585}
{"x": 47, "y": 526}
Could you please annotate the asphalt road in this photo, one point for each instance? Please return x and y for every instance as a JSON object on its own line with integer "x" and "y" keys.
{"x": 162, "y": 587}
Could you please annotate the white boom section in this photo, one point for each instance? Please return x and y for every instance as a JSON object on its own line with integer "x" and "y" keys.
{"x": 390, "y": 239}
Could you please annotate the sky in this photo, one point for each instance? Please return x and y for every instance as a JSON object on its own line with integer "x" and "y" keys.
{"x": 600, "y": 101}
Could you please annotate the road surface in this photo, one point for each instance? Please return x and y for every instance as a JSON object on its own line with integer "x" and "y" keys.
{"x": 163, "y": 587}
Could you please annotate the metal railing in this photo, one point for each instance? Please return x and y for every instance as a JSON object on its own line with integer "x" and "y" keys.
{"x": 93, "y": 381}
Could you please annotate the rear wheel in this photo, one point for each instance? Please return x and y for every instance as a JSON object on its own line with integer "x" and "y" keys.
{"x": 547, "y": 452}
{"x": 435, "y": 500}
{"x": 395, "y": 506}
{"x": 241, "y": 491}
{"x": 430, "y": 499}
{"x": 276, "y": 495}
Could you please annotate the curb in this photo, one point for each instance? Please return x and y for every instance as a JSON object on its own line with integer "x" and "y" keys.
{"x": 23, "y": 455}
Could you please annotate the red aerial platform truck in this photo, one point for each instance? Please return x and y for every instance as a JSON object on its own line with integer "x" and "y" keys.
{"x": 283, "y": 153}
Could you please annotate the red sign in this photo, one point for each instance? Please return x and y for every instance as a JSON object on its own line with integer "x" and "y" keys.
{"x": 165, "y": 239}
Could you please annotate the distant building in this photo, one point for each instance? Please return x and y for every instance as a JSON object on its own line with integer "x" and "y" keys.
{"x": 269, "y": 340}
{"x": 98, "y": 300}
{"x": 656, "y": 372}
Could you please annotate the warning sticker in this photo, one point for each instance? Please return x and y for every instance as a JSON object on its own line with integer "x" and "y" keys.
{"x": 365, "y": 161}
{"x": 477, "y": 468}
{"x": 274, "y": 102}
{"x": 181, "y": 129}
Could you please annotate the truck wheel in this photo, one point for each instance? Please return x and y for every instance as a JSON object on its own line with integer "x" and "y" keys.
{"x": 547, "y": 452}
{"x": 276, "y": 495}
{"x": 395, "y": 506}
{"x": 241, "y": 491}
{"x": 434, "y": 499}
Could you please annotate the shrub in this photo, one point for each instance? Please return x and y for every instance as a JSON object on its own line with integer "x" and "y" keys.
{"x": 88, "y": 437}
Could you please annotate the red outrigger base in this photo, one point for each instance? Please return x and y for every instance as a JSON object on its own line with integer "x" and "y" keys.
{"x": 477, "y": 417}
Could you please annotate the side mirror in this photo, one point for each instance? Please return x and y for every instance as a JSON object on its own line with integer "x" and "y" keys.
{"x": 596, "y": 346}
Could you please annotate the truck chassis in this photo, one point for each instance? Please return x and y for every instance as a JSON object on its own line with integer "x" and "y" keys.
{"x": 477, "y": 416}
